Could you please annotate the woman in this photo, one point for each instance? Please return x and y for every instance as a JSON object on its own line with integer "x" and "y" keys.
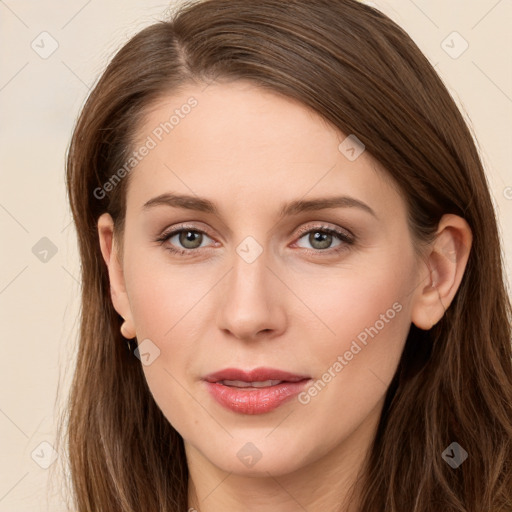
{"x": 282, "y": 214}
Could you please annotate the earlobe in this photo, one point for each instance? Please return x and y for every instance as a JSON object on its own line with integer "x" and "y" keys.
{"x": 118, "y": 293}
{"x": 443, "y": 270}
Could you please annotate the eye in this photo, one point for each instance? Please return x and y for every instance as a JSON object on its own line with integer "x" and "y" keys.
{"x": 321, "y": 239}
{"x": 187, "y": 237}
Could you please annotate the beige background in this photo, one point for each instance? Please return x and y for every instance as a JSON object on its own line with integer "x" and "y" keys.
{"x": 39, "y": 100}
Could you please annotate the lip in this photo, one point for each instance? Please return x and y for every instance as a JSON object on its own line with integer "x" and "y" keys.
{"x": 251, "y": 400}
{"x": 255, "y": 375}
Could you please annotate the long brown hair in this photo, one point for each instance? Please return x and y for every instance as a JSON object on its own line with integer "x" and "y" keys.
{"x": 363, "y": 74}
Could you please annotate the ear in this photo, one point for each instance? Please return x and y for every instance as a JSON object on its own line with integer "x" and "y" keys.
{"x": 444, "y": 266}
{"x": 111, "y": 255}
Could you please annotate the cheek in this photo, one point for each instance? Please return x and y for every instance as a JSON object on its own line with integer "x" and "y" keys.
{"x": 162, "y": 296}
{"x": 359, "y": 303}
{"x": 167, "y": 304}
{"x": 366, "y": 319}
{"x": 169, "y": 388}
{"x": 165, "y": 307}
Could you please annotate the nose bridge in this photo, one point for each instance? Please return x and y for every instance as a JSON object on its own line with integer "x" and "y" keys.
{"x": 249, "y": 280}
{"x": 250, "y": 301}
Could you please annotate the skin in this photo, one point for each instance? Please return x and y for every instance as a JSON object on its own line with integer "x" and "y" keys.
{"x": 249, "y": 151}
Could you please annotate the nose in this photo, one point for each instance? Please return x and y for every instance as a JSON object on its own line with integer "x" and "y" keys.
{"x": 252, "y": 300}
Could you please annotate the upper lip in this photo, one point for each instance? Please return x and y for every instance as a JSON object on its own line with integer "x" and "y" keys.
{"x": 254, "y": 375}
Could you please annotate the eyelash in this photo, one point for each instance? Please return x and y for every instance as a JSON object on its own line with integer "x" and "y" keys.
{"x": 346, "y": 239}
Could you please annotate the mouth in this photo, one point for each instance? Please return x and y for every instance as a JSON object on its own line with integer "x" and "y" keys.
{"x": 256, "y": 391}
{"x": 256, "y": 384}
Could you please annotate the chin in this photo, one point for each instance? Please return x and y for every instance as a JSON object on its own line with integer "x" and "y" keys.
{"x": 259, "y": 459}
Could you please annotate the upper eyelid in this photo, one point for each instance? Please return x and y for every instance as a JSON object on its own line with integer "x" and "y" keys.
{"x": 323, "y": 226}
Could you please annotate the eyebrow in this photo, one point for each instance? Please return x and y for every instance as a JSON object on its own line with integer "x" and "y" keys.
{"x": 292, "y": 208}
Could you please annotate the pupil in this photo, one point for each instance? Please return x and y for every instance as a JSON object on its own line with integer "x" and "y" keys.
{"x": 189, "y": 236}
{"x": 324, "y": 240}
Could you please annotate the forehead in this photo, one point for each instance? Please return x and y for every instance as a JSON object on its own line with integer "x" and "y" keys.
{"x": 241, "y": 115}
{"x": 242, "y": 144}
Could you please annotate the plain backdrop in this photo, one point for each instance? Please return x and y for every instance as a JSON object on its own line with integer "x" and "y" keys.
{"x": 51, "y": 54}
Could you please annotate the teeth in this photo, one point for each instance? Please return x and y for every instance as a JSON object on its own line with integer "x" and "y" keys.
{"x": 242, "y": 384}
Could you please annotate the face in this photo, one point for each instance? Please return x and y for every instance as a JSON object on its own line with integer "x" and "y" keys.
{"x": 270, "y": 325}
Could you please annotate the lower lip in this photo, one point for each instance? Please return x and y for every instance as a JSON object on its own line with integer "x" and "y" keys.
{"x": 255, "y": 400}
